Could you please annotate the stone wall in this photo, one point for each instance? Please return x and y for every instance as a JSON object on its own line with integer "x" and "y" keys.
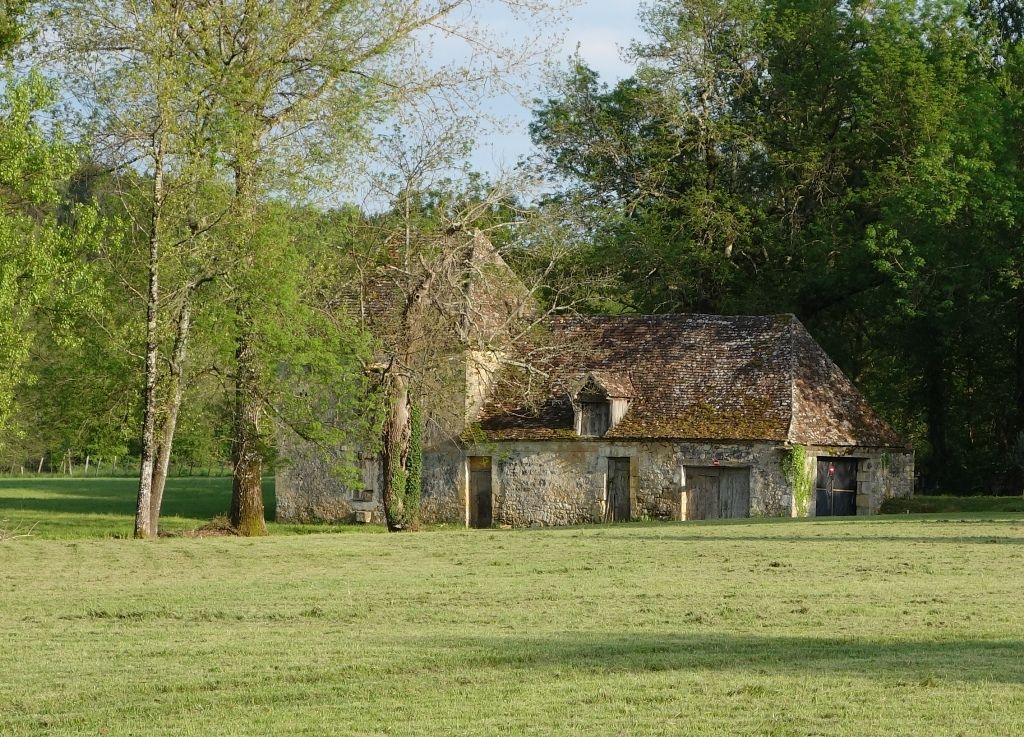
{"x": 564, "y": 482}
{"x": 312, "y": 488}
{"x": 444, "y": 484}
{"x": 309, "y": 490}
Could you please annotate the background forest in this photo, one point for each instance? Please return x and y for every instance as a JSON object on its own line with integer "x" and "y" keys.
{"x": 165, "y": 246}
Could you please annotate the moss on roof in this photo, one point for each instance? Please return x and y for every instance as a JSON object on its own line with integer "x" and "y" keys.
{"x": 698, "y": 377}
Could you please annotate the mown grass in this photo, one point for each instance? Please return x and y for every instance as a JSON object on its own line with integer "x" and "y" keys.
{"x": 892, "y": 625}
{"x": 946, "y": 504}
{"x": 105, "y": 507}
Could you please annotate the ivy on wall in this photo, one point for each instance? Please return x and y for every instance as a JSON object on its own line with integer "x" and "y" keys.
{"x": 885, "y": 460}
{"x": 414, "y": 475}
{"x": 794, "y": 470}
{"x": 407, "y": 481}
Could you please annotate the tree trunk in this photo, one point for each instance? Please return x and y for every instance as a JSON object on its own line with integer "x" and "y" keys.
{"x": 395, "y": 455}
{"x": 143, "y": 519}
{"x": 247, "y": 515}
{"x": 176, "y": 389}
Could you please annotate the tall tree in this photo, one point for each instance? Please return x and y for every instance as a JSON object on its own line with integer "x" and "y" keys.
{"x": 151, "y": 124}
{"x": 39, "y": 244}
{"x": 297, "y": 84}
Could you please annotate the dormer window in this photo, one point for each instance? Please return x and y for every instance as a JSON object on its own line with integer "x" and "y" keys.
{"x": 600, "y": 400}
{"x": 595, "y": 418}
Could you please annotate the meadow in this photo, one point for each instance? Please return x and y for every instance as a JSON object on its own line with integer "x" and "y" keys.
{"x": 901, "y": 625}
{"x": 70, "y": 508}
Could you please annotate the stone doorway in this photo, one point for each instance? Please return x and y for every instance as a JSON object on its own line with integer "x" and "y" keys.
{"x": 617, "y": 507}
{"x": 835, "y": 490}
{"x": 480, "y": 497}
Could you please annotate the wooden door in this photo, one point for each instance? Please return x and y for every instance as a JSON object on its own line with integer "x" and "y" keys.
{"x": 480, "y": 508}
{"x": 701, "y": 493}
{"x": 594, "y": 419}
{"x": 717, "y": 493}
{"x": 617, "y": 508}
{"x": 734, "y": 492}
{"x": 836, "y": 488}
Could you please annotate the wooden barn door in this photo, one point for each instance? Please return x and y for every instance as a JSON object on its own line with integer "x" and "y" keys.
{"x": 715, "y": 493}
{"x": 617, "y": 507}
{"x": 480, "y": 510}
{"x": 734, "y": 492}
{"x": 701, "y": 493}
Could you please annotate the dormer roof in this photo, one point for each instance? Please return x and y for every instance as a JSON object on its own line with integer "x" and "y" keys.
{"x": 607, "y": 384}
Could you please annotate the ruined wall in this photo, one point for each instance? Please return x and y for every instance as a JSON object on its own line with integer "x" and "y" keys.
{"x": 308, "y": 491}
{"x": 893, "y": 477}
{"x": 309, "y": 488}
{"x": 881, "y": 473}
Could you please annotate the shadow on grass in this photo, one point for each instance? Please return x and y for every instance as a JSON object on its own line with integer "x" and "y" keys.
{"x": 945, "y": 539}
{"x": 913, "y": 662}
{"x": 946, "y": 529}
{"x": 199, "y": 498}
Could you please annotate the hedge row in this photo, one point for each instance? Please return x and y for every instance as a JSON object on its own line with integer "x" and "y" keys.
{"x": 929, "y": 504}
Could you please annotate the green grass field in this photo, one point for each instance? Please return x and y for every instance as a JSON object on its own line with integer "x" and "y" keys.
{"x": 889, "y": 626}
{"x": 105, "y": 507}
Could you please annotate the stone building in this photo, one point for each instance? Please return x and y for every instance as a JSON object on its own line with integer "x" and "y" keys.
{"x": 669, "y": 416}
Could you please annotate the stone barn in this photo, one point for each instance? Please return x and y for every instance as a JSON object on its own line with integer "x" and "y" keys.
{"x": 674, "y": 417}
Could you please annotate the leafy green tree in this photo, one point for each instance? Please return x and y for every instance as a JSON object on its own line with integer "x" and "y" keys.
{"x": 296, "y": 86}
{"x": 39, "y": 245}
{"x": 852, "y": 162}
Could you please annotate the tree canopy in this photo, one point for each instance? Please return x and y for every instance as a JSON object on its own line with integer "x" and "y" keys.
{"x": 855, "y": 163}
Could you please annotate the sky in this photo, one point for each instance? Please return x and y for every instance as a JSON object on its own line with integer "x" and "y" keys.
{"x": 600, "y": 29}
